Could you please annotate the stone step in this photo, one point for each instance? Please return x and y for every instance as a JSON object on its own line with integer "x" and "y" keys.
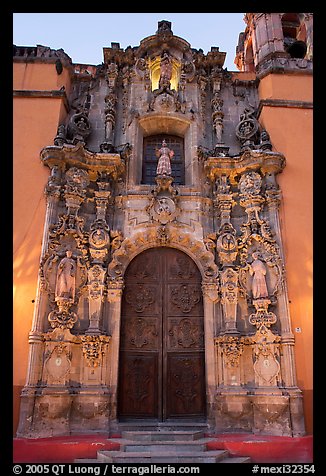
{"x": 236, "y": 459}
{"x": 162, "y": 435}
{"x": 143, "y": 425}
{"x": 214, "y": 456}
{"x": 164, "y": 446}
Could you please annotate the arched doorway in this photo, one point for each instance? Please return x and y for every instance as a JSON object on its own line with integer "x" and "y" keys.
{"x": 162, "y": 361}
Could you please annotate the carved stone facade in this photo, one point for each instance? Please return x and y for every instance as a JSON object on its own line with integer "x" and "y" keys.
{"x": 100, "y": 216}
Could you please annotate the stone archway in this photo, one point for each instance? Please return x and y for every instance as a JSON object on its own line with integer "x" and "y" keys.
{"x": 132, "y": 246}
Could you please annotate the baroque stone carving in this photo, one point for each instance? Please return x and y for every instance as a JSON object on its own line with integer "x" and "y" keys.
{"x": 62, "y": 317}
{"x": 96, "y": 279}
{"x": 266, "y": 351}
{"x": 226, "y": 245}
{"x": 247, "y": 128}
{"x": 232, "y": 349}
{"x": 66, "y": 278}
{"x": 165, "y": 70}
{"x": 250, "y": 184}
{"x": 148, "y": 238}
{"x": 229, "y": 300}
{"x": 258, "y": 270}
{"x": 163, "y": 206}
{"x": 79, "y": 127}
{"x": 94, "y": 347}
{"x": 75, "y": 189}
{"x": 58, "y": 364}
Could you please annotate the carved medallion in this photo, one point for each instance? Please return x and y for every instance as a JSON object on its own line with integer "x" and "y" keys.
{"x": 250, "y": 183}
{"x": 139, "y": 333}
{"x": 140, "y": 297}
{"x": 266, "y": 367}
{"x": 186, "y": 334}
{"x": 186, "y": 296}
{"x": 162, "y": 209}
{"x": 58, "y": 364}
{"x": 77, "y": 178}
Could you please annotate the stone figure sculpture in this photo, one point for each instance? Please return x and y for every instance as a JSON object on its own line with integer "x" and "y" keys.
{"x": 166, "y": 71}
{"x": 258, "y": 271}
{"x": 66, "y": 278}
{"x": 164, "y": 164}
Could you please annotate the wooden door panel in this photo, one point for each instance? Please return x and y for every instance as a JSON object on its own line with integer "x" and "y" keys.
{"x": 184, "y": 334}
{"x": 184, "y": 299}
{"x": 138, "y": 395}
{"x": 185, "y": 382}
{"x": 142, "y": 299}
{"x": 138, "y": 333}
{"x": 162, "y": 371}
{"x": 181, "y": 268}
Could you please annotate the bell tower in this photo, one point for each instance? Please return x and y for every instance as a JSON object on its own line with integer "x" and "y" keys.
{"x": 275, "y": 41}
{"x": 277, "y": 50}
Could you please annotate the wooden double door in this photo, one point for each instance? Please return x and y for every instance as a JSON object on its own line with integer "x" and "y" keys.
{"x": 161, "y": 360}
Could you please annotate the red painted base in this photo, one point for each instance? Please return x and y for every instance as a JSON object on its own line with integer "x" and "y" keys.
{"x": 265, "y": 449}
{"x": 60, "y": 449}
{"x": 261, "y": 449}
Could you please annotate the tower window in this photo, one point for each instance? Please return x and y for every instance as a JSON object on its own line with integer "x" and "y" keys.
{"x": 150, "y": 159}
{"x": 293, "y": 45}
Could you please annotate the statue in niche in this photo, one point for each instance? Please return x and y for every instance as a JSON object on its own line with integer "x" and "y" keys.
{"x": 164, "y": 165}
{"x": 66, "y": 278}
{"x": 166, "y": 71}
{"x": 258, "y": 271}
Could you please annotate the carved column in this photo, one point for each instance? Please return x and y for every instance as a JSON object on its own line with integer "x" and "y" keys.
{"x": 36, "y": 340}
{"x": 99, "y": 245}
{"x": 217, "y": 114}
{"x": 114, "y": 296}
{"x": 110, "y": 103}
{"x": 52, "y": 192}
{"x": 96, "y": 276}
{"x": 273, "y": 200}
{"x": 210, "y": 296}
{"x": 229, "y": 300}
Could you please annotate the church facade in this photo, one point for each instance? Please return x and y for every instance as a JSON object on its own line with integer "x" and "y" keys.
{"x": 160, "y": 258}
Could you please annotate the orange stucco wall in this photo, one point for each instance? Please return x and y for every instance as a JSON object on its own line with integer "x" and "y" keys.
{"x": 35, "y": 122}
{"x": 290, "y": 130}
{"x": 39, "y": 76}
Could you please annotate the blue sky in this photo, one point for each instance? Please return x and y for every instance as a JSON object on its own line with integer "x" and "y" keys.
{"x": 83, "y": 35}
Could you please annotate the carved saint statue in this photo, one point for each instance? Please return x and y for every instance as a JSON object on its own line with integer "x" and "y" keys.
{"x": 164, "y": 164}
{"x": 258, "y": 271}
{"x": 166, "y": 71}
{"x": 66, "y": 278}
